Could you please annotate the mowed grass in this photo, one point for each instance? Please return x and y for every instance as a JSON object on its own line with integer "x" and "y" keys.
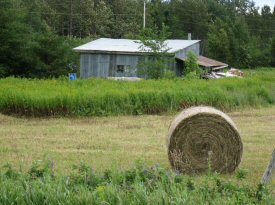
{"x": 105, "y": 142}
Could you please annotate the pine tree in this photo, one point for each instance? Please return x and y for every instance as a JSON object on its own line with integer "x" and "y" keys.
{"x": 273, "y": 52}
{"x": 14, "y": 38}
{"x": 218, "y": 44}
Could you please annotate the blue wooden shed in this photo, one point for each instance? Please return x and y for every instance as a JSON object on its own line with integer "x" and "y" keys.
{"x": 107, "y": 57}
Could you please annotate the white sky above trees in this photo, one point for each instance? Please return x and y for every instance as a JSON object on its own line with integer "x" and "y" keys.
{"x": 261, "y": 3}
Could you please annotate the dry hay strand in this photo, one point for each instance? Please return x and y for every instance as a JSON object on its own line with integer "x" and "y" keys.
{"x": 203, "y": 138}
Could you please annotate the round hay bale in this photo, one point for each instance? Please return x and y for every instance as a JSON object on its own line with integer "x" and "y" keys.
{"x": 203, "y": 138}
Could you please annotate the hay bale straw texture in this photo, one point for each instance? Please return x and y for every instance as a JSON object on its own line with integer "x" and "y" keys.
{"x": 203, "y": 138}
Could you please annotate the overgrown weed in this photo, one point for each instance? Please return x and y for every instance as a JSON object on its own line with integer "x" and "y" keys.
{"x": 139, "y": 185}
{"x": 99, "y": 97}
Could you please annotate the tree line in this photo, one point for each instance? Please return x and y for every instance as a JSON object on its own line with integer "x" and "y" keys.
{"x": 37, "y": 36}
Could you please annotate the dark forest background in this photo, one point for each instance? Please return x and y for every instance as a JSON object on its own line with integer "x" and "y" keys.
{"x": 37, "y": 36}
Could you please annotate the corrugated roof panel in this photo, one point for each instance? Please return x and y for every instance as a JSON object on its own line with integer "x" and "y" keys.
{"x": 208, "y": 62}
{"x": 129, "y": 46}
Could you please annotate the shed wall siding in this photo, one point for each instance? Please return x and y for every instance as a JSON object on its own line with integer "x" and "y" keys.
{"x": 194, "y": 48}
{"x": 105, "y": 65}
{"x": 131, "y": 61}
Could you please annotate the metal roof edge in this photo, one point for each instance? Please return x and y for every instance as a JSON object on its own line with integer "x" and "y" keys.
{"x": 118, "y": 52}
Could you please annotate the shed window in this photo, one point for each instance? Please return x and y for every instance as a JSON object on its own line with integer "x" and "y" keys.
{"x": 120, "y": 68}
{"x": 123, "y": 68}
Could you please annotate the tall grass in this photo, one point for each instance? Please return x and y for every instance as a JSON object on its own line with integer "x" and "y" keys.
{"x": 139, "y": 185}
{"x": 97, "y": 97}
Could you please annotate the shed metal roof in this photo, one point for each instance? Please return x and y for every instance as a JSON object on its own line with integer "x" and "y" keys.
{"x": 208, "y": 62}
{"x": 129, "y": 46}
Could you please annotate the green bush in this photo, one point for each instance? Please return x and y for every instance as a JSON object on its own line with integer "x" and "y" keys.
{"x": 192, "y": 69}
{"x": 169, "y": 75}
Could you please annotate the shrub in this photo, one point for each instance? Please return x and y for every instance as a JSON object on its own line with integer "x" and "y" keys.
{"x": 169, "y": 75}
{"x": 192, "y": 69}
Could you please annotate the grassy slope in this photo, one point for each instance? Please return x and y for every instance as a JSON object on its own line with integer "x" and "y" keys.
{"x": 97, "y": 97}
{"x": 120, "y": 141}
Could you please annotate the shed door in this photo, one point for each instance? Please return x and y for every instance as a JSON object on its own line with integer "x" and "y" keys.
{"x": 179, "y": 67}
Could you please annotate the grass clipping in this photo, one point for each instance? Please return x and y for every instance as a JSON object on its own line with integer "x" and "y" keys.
{"x": 203, "y": 138}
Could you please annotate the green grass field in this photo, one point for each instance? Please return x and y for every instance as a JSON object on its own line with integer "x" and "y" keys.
{"x": 103, "y": 142}
{"x": 79, "y": 159}
{"x": 116, "y": 144}
{"x": 99, "y": 97}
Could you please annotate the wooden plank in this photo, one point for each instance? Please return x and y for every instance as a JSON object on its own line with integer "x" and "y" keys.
{"x": 268, "y": 172}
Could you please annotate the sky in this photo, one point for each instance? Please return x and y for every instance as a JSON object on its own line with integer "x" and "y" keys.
{"x": 261, "y": 3}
